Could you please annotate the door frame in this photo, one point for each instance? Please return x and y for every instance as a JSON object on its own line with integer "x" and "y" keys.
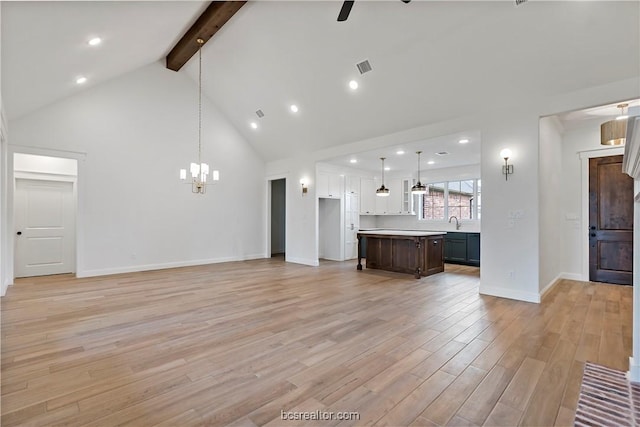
{"x": 584, "y": 226}
{"x": 79, "y": 192}
{"x": 267, "y": 243}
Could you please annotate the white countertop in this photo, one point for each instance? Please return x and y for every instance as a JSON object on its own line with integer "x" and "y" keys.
{"x": 409, "y": 233}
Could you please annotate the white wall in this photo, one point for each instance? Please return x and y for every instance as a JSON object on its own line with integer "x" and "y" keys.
{"x": 302, "y": 226}
{"x": 5, "y": 280}
{"x": 551, "y": 184}
{"x": 575, "y": 141}
{"x": 137, "y": 131}
{"x": 44, "y": 164}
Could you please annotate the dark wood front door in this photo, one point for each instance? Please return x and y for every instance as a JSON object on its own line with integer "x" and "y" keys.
{"x": 610, "y": 221}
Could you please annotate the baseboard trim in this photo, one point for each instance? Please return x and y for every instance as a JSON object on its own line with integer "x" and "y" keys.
{"x": 573, "y": 276}
{"x": 163, "y": 266}
{"x": 303, "y": 261}
{"x": 557, "y": 279}
{"x": 510, "y": 294}
{"x": 634, "y": 371}
{"x": 551, "y": 284}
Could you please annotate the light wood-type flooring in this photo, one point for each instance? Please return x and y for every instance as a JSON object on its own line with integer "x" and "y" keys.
{"x": 238, "y": 343}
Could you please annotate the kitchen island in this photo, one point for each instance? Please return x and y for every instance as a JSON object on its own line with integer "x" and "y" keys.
{"x": 420, "y": 253}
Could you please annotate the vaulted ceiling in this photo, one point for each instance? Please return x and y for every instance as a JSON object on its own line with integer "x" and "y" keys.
{"x": 432, "y": 60}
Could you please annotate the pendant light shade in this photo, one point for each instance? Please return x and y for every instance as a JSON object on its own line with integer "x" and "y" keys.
{"x": 382, "y": 191}
{"x": 419, "y": 188}
{"x": 614, "y": 132}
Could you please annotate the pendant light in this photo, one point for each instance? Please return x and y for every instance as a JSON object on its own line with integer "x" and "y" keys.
{"x": 199, "y": 171}
{"x": 419, "y": 188}
{"x": 614, "y": 132}
{"x": 382, "y": 191}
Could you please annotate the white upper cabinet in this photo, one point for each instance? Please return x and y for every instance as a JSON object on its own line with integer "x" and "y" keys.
{"x": 394, "y": 201}
{"x": 367, "y": 196}
{"x": 352, "y": 184}
{"x": 330, "y": 185}
{"x": 382, "y": 204}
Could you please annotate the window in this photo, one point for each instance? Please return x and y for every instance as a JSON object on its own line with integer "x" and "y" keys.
{"x": 433, "y": 202}
{"x": 453, "y": 198}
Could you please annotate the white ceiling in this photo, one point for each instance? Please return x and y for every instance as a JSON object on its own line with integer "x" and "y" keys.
{"x": 44, "y": 45}
{"x": 459, "y": 155}
{"x": 432, "y": 60}
{"x": 602, "y": 113}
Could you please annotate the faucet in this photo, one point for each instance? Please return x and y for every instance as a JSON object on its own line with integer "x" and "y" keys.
{"x": 457, "y": 222}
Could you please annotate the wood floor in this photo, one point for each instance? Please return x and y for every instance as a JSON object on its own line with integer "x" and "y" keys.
{"x": 239, "y": 343}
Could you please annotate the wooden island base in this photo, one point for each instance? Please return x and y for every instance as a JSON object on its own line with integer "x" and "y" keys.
{"x": 420, "y": 253}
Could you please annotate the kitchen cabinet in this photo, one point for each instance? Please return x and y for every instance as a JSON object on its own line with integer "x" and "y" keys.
{"x": 407, "y": 205}
{"x": 329, "y": 185}
{"x": 473, "y": 248}
{"x": 462, "y": 248}
{"x": 382, "y": 204}
{"x": 352, "y": 184}
{"x": 415, "y": 252}
{"x": 367, "y": 196}
{"x": 394, "y": 202}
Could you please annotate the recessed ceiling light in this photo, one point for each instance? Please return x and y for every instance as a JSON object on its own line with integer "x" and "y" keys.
{"x": 80, "y": 80}
{"x": 294, "y": 108}
{"x": 430, "y": 162}
{"x": 353, "y": 85}
{"x": 400, "y": 152}
{"x": 353, "y": 161}
{"x": 387, "y": 168}
{"x": 254, "y": 125}
{"x": 95, "y": 41}
{"x": 463, "y": 141}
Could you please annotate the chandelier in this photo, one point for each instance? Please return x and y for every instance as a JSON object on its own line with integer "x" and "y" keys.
{"x": 199, "y": 171}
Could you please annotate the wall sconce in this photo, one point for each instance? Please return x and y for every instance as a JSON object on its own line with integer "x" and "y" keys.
{"x": 507, "y": 169}
{"x": 305, "y": 186}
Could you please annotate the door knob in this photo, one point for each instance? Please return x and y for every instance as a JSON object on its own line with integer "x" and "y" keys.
{"x": 19, "y": 233}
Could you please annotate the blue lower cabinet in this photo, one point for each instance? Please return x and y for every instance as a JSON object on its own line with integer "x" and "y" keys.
{"x": 473, "y": 248}
{"x": 462, "y": 248}
{"x": 363, "y": 247}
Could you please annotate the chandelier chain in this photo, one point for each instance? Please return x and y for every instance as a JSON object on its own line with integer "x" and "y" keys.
{"x": 200, "y": 102}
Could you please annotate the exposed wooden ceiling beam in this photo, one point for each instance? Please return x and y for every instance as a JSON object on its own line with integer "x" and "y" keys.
{"x": 211, "y": 20}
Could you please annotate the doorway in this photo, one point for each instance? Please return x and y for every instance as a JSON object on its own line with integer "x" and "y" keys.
{"x": 278, "y": 217}
{"x": 44, "y": 206}
{"x": 329, "y": 229}
{"x": 610, "y": 221}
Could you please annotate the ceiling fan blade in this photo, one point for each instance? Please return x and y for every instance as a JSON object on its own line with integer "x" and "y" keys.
{"x": 344, "y": 12}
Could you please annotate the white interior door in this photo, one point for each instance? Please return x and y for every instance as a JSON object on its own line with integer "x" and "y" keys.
{"x": 352, "y": 225}
{"x": 45, "y": 227}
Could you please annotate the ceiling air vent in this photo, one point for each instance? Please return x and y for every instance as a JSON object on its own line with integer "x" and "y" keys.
{"x": 364, "y": 66}
{"x": 259, "y": 113}
{"x": 442, "y": 153}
